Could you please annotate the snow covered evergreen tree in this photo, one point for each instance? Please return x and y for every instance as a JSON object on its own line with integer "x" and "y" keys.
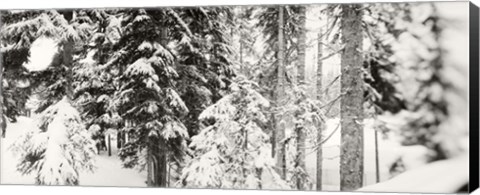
{"x": 58, "y": 149}
{"x": 232, "y": 151}
{"x": 61, "y": 147}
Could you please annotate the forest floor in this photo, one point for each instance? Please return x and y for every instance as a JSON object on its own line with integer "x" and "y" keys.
{"x": 388, "y": 151}
{"x": 108, "y": 172}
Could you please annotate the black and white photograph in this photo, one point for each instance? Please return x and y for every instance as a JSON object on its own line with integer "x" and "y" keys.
{"x": 368, "y": 97}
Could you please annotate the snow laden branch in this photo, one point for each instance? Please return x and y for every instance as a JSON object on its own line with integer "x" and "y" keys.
{"x": 232, "y": 151}
{"x": 58, "y": 149}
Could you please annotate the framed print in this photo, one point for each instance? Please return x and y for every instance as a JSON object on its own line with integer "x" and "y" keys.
{"x": 366, "y": 97}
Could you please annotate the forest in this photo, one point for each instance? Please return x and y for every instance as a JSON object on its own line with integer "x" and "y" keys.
{"x": 336, "y": 97}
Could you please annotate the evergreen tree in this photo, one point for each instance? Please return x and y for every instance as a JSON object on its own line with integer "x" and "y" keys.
{"x": 59, "y": 150}
{"x": 61, "y": 147}
{"x": 268, "y": 22}
{"x": 299, "y": 129}
{"x": 170, "y": 64}
{"x": 232, "y": 150}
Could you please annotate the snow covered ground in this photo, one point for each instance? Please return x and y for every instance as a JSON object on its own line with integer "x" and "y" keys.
{"x": 389, "y": 151}
{"x": 109, "y": 171}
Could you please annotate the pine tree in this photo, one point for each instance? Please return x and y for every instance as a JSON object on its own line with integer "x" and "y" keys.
{"x": 171, "y": 64}
{"x": 59, "y": 150}
{"x": 268, "y": 22}
{"x": 351, "y": 151}
{"x": 299, "y": 129}
{"x": 427, "y": 114}
{"x": 15, "y": 83}
{"x": 92, "y": 86}
{"x": 61, "y": 147}
{"x": 232, "y": 150}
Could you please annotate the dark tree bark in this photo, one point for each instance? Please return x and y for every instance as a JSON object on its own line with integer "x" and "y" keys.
{"x": 159, "y": 149}
{"x": 301, "y": 135}
{"x": 109, "y": 145}
{"x": 351, "y": 152}
{"x": 280, "y": 95}
{"x": 319, "y": 87}
{"x": 67, "y": 56}
{"x": 302, "y": 45}
{"x": 377, "y": 161}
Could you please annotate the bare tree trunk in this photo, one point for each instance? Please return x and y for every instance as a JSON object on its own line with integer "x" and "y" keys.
{"x": 302, "y": 45}
{"x": 351, "y": 152}
{"x": 301, "y": 136}
{"x": 377, "y": 168}
{"x": 280, "y": 95}
{"x": 150, "y": 162}
{"x": 273, "y": 125}
{"x": 109, "y": 143}
{"x": 319, "y": 87}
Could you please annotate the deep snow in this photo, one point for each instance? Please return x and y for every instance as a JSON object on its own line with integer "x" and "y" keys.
{"x": 109, "y": 171}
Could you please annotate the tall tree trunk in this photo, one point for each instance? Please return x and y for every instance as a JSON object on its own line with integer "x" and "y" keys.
{"x": 68, "y": 47}
{"x": 351, "y": 152}
{"x": 302, "y": 45}
{"x": 280, "y": 95}
{"x": 161, "y": 154}
{"x": 301, "y": 136}
{"x": 319, "y": 77}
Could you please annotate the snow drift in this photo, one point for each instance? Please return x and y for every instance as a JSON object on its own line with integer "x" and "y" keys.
{"x": 42, "y": 53}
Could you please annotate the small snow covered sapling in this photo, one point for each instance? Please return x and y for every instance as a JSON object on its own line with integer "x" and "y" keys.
{"x": 58, "y": 149}
{"x": 233, "y": 150}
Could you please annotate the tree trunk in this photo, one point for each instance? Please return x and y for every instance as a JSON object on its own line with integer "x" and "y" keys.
{"x": 109, "y": 145}
{"x": 67, "y": 62}
{"x": 377, "y": 163}
{"x": 302, "y": 45}
{"x": 161, "y": 171}
{"x": 319, "y": 77}
{"x": 161, "y": 166}
{"x": 280, "y": 96}
{"x": 351, "y": 152}
{"x": 68, "y": 57}
{"x": 120, "y": 139}
{"x": 150, "y": 163}
{"x": 301, "y": 136}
